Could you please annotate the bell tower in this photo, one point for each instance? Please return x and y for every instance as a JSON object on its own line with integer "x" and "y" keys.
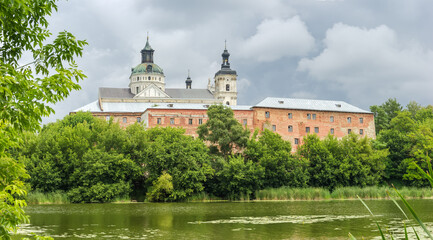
{"x": 225, "y": 81}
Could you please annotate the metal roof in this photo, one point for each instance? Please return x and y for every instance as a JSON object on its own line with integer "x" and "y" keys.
{"x": 189, "y": 93}
{"x": 141, "y": 107}
{"x": 115, "y": 93}
{"x": 309, "y": 104}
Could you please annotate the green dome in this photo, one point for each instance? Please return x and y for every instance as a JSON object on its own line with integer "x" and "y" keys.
{"x": 147, "y": 68}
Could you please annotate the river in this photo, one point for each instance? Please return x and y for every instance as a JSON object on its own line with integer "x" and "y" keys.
{"x": 227, "y": 220}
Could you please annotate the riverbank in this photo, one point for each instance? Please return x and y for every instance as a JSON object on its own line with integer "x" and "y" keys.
{"x": 270, "y": 194}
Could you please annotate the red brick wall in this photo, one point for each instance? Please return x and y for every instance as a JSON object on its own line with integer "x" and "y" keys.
{"x": 181, "y": 118}
{"x": 299, "y": 121}
{"x": 131, "y": 118}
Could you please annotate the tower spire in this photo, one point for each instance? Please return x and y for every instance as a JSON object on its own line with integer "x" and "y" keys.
{"x": 147, "y": 52}
{"x": 188, "y": 81}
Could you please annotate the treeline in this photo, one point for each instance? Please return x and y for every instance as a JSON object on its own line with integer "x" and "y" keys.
{"x": 92, "y": 160}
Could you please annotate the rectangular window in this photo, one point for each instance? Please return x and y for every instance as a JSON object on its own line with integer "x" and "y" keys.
{"x": 171, "y": 121}
{"x": 296, "y": 141}
{"x": 349, "y": 131}
{"x": 267, "y": 114}
{"x": 124, "y": 120}
{"x": 307, "y": 129}
{"x": 290, "y": 128}
{"x": 314, "y": 116}
{"x": 190, "y": 121}
{"x": 245, "y": 121}
{"x": 158, "y": 121}
{"x": 139, "y": 119}
{"x": 107, "y": 118}
{"x": 361, "y": 120}
{"x": 274, "y": 128}
{"x": 361, "y": 131}
{"x": 332, "y": 131}
{"x": 331, "y": 118}
{"x": 308, "y": 116}
{"x": 316, "y": 129}
{"x": 200, "y": 121}
{"x": 349, "y": 119}
{"x": 290, "y": 115}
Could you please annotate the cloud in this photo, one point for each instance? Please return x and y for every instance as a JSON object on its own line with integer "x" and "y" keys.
{"x": 372, "y": 64}
{"x": 278, "y": 38}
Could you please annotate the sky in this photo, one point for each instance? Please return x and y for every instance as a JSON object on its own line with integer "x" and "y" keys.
{"x": 361, "y": 52}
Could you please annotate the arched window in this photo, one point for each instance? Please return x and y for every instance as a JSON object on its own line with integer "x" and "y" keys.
{"x": 228, "y": 103}
{"x": 149, "y": 78}
{"x": 227, "y": 87}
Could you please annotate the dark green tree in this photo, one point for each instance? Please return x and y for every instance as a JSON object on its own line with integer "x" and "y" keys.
{"x": 384, "y": 113}
{"x": 222, "y": 130}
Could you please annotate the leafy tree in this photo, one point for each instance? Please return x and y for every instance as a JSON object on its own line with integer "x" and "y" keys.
{"x": 162, "y": 188}
{"x": 274, "y": 155}
{"x": 223, "y": 130}
{"x": 184, "y": 158}
{"x": 27, "y": 89}
{"x": 384, "y": 113}
{"x": 239, "y": 178}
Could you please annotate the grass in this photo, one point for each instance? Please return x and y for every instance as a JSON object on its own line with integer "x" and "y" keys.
{"x": 47, "y": 198}
{"x": 287, "y": 193}
{"x": 203, "y": 197}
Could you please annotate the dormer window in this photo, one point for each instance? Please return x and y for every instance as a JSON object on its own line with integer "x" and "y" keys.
{"x": 149, "y": 68}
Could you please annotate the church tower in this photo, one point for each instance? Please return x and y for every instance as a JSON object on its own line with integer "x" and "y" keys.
{"x": 225, "y": 81}
{"x": 147, "y": 75}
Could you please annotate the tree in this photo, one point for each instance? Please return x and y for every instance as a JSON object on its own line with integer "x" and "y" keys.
{"x": 223, "y": 130}
{"x": 384, "y": 113}
{"x": 26, "y": 90}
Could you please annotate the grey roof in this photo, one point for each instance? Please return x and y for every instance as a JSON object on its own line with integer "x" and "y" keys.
{"x": 309, "y": 104}
{"x": 189, "y": 93}
{"x": 115, "y": 93}
{"x": 141, "y": 107}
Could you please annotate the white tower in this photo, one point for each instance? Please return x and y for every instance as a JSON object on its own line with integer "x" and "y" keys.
{"x": 225, "y": 82}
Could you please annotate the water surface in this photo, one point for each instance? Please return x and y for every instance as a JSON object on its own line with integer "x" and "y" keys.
{"x": 229, "y": 220}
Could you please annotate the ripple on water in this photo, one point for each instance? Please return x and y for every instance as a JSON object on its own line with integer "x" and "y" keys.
{"x": 296, "y": 219}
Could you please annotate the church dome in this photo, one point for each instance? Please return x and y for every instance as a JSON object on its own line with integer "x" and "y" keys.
{"x": 147, "y": 68}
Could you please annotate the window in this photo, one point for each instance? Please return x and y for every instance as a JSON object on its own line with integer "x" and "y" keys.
{"x": 139, "y": 119}
{"x": 158, "y": 121}
{"x": 349, "y": 120}
{"x": 307, "y": 129}
{"x": 331, "y": 118}
{"x": 171, "y": 121}
{"x": 267, "y": 114}
{"x": 361, "y": 120}
{"x": 149, "y": 78}
{"x": 227, "y": 87}
{"x": 308, "y": 116}
{"x": 290, "y": 128}
{"x": 349, "y": 131}
{"x": 190, "y": 121}
{"x": 314, "y": 116}
{"x": 332, "y": 131}
{"x": 245, "y": 121}
{"x": 107, "y": 118}
{"x": 124, "y": 120}
{"x": 290, "y": 115}
{"x": 138, "y": 89}
{"x": 361, "y": 131}
{"x": 316, "y": 129}
{"x": 200, "y": 121}
{"x": 274, "y": 128}
{"x": 227, "y": 103}
{"x": 296, "y": 141}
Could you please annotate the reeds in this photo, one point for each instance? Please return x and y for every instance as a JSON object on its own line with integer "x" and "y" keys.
{"x": 374, "y": 192}
{"x": 37, "y": 197}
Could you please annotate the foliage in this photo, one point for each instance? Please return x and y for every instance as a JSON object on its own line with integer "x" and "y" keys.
{"x": 238, "y": 177}
{"x": 27, "y": 90}
{"x": 162, "y": 188}
{"x": 384, "y": 113}
{"x": 272, "y": 153}
{"x": 223, "y": 130}
{"x": 349, "y": 162}
{"x": 184, "y": 158}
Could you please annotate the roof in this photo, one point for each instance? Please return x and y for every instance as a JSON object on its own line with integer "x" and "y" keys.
{"x": 141, "y": 107}
{"x": 309, "y": 104}
{"x": 115, "y": 93}
{"x": 189, "y": 93}
{"x": 147, "y": 68}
